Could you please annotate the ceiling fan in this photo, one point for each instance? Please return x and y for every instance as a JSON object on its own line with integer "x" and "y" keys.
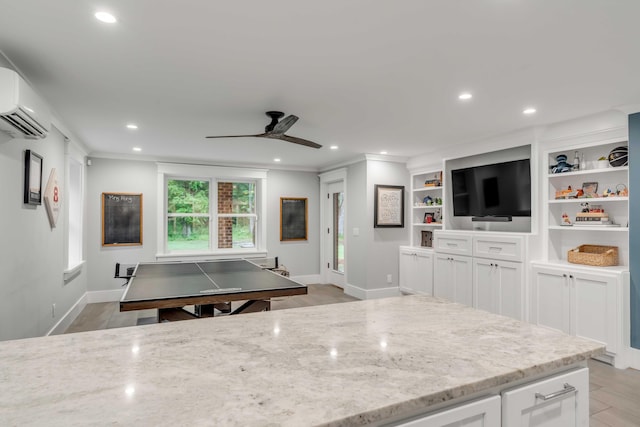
{"x": 276, "y": 130}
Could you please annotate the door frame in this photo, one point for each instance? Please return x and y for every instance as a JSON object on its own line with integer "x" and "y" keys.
{"x": 327, "y": 178}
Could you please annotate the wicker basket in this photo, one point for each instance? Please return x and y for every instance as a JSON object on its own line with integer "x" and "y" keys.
{"x": 599, "y": 256}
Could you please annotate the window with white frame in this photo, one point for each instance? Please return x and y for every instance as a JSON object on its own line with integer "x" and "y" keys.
{"x": 209, "y": 209}
{"x": 75, "y": 204}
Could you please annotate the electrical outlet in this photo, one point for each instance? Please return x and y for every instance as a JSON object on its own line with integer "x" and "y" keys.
{"x": 389, "y": 279}
{"x": 53, "y": 310}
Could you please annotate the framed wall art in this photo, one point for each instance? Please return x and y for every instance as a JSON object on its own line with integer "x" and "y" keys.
{"x": 388, "y": 207}
{"x": 32, "y": 178}
{"x": 293, "y": 218}
{"x": 121, "y": 219}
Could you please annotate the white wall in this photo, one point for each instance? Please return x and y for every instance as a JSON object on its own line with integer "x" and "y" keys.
{"x": 302, "y": 258}
{"x": 119, "y": 176}
{"x": 32, "y": 257}
{"x": 356, "y": 249}
{"x": 382, "y": 254}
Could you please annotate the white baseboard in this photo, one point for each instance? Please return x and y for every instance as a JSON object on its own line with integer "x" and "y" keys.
{"x": 308, "y": 279}
{"x": 363, "y": 294}
{"x": 104, "y": 296}
{"x": 68, "y": 318}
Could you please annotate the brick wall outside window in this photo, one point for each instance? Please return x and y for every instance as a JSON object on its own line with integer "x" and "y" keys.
{"x": 225, "y": 225}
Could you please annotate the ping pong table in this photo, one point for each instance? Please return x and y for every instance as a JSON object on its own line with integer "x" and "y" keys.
{"x": 209, "y": 286}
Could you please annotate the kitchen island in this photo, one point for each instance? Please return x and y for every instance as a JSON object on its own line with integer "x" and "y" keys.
{"x": 347, "y": 364}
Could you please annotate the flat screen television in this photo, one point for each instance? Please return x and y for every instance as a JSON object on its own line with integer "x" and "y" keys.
{"x": 494, "y": 192}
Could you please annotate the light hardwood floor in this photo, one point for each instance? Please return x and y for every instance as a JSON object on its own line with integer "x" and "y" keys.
{"x": 614, "y": 393}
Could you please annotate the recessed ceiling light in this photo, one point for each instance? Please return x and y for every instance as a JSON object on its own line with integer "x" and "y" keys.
{"x": 105, "y": 17}
{"x": 132, "y": 126}
{"x": 529, "y": 111}
{"x": 383, "y": 152}
{"x": 276, "y": 159}
{"x": 137, "y": 149}
{"x": 334, "y": 147}
{"x": 464, "y": 96}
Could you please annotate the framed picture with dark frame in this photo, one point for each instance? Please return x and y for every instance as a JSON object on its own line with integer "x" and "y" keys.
{"x": 293, "y": 218}
{"x": 32, "y": 178}
{"x": 388, "y": 206}
{"x": 121, "y": 219}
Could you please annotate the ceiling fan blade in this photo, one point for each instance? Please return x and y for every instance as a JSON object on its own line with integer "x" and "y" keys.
{"x": 234, "y": 136}
{"x": 296, "y": 140}
{"x": 284, "y": 124}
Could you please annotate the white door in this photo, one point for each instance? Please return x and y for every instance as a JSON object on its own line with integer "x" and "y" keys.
{"x": 334, "y": 231}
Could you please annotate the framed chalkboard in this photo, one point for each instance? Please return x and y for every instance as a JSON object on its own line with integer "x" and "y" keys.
{"x": 121, "y": 219}
{"x": 293, "y": 218}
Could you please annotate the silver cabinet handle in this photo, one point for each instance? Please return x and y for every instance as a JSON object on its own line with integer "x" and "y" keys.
{"x": 568, "y": 388}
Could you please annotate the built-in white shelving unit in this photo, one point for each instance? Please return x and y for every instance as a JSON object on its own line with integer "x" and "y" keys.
{"x": 426, "y": 200}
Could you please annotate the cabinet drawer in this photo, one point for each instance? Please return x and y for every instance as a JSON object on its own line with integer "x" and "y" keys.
{"x": 452, "y": 243}
{"x": 562, "y": 400}
{"x": 506, "y": 248}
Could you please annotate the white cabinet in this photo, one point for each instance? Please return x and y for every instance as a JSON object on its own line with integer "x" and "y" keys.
{"x": 482, "y": 270}
{"x": 481, "y": 413}
{"x": 416, "y": 270}
{"x": 560, "y": 401}
{"x": 497, "y": 287}
{"x": 452, "y": 278}
{"x": 582, "y": 303}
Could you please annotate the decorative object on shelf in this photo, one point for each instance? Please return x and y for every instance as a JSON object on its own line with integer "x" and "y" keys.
{"x": 576, "y": 162}
{"x": 436, "y": 181}
{"x": 590, "y": 189}
{"x": 619, "y": 156}
{"x": 622, "y": 190}
{"x": 568, "y": 193}
{"x": 565, "y": 220}
{"x": 32, "y": 178}
{"x": 602, "y": 163}
{"x": 438, "y": 201}
{"x": 592, "y": 215}
{"x": 388, "y": 206}
{"x": 595, "y": 255}
{"x": 427, "y": 201}
{"x": 427, "y": 238}
{"x": 428, "y": 217}
{"x": 562, "y": 165}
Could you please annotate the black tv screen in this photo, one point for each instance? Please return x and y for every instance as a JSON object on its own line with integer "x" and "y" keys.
{"x": 496, "y": 190}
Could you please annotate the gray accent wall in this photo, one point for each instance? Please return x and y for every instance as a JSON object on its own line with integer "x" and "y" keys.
{"x": 32, "y": 253}
{"x": 634, "y": 228}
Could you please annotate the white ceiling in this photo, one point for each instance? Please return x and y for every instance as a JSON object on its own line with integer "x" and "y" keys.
{"x": 366, "y": 75}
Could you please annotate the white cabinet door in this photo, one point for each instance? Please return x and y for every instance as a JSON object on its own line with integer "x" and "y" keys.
{"x": 481, "y": 413}
{"x": 594, "y": 310}
{"x": 551, "y": 298}
{"x": 561, "y": 401}
{"x": 497, "y": 287}
{"x": 416, "y": 271}
{"x": 453, "y": 278}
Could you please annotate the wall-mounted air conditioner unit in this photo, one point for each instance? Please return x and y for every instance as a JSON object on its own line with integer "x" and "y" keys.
{"x": 23, "y": 114}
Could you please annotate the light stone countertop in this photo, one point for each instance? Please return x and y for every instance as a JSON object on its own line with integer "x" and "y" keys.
{"x": 339, "y": 365}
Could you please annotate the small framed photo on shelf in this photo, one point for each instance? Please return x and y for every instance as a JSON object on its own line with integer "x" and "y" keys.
{"x": 427, "y": 239}
{"x": 590, "y": 189}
